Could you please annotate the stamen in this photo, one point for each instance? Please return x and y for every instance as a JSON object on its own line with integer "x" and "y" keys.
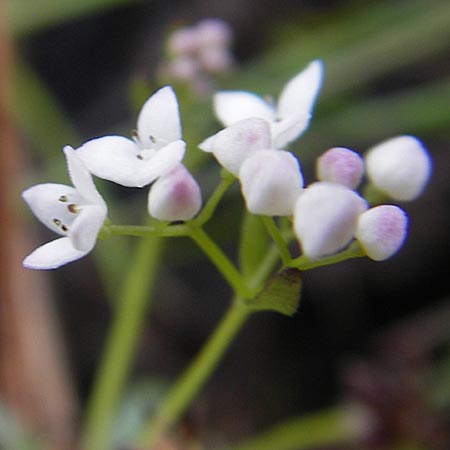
{"x": 57, "y": 222}
{"x": 139, "y": 157}
{"x": 64, "y": 228}
{"x": 63, "y": 198}
{"x": 72, "y": 208}
{"x": 153, "y": 139}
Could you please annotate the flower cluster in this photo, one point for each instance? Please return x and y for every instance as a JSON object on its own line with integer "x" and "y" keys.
{"x": 197, "y": 52}
{"x": 153, "y": 155}
{"x": 327, "y": 215}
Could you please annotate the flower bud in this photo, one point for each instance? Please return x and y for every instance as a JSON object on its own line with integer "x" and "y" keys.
{"x": 175, "y": 196}
{"x": 341, "y": 165}
{"x": 182, "y": 42}
{"x": 271, "y": 181}
{"x": 213, "y": 33}
{"x": 325, "y": 218}
{"x": 400, "y": 167}
{"x": 381, "y": 231}
{"x": 215, "y": 59}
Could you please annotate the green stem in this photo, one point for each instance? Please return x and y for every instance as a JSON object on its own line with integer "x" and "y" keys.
{"x": 330, "y": 427}
{"x": 221, "y": 261}
{"x": 147, "y": 231}
{"x": 188, "y": 385}
{"x": 121, "y": 346}
{"x": 277, "y": 237}
{"x": 211, "y": 205}
{"x": 304, "y": 263}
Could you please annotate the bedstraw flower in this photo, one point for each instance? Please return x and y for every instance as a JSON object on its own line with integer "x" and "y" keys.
{"x": 155, "y": 150}
{"x": 76, "y": 213}
{"x": 381, "y": 231}
{"x": 326, "y": 217}
{"x": 400, "y": 167}
{"x": 288, "y": 119}
{"x": 175, "y": 196}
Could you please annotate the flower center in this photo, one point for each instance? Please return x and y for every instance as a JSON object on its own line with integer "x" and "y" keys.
{"x": 66, "y": 214}
{"x": 147, "y": 149}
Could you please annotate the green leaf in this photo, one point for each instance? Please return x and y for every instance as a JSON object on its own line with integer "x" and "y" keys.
{"x": 281, "y": 293}
{"x": 253, "y": 244}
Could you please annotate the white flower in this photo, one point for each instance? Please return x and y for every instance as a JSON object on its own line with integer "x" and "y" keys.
{"x": 289, "y": 119}
{"x": 400, "y": 167}
{"x": 382, "y": 230}
{"x": 155, "y": 151}
{"x": 175, "y": 196}
{"x": 325, "y": 218}
{"x": 271, "y": 181}
{"x": 77, "y": 213}
{"x": 340, "y": 165}
{"x": 234, "y": 144}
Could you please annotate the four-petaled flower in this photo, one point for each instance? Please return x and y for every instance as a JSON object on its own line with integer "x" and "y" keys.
{"x": 288, "y": 119}
{"x": 76, "y": 213}
{"x": 155, "y": 150}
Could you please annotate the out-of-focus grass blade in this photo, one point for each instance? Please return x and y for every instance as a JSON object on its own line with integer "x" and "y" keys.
{"x": 39, "y": 114}
{"x": 26, "y": 16}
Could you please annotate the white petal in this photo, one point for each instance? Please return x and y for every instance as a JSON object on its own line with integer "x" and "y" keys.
{"x": 207, "y": 144}
{"x": 233, "y": 106}
{"x": 160, "y": 164}
{"x": 53, "y": 254}
{"x": 382, "y": 230}
{"x": 112, "y": 158}
{"x": 234, "y": 144}
{"x": 175, "y": 196}
{"x": 400, "y": 166}
{"x": 85, "y": 228}
{"x": 299, "y": 94}
{"x": 160, "y": 118}
{"x": 287, "y": 130}
{"x": 43, "y": 200}
{"x": 271, "y": 182}
{"x": 326, "y": 217}
{"x": 81, "y": 178}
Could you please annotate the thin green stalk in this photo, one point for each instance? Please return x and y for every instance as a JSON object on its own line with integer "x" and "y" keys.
{"x": 277, "y": 237}
{"x": 211, "y": 205}
{"x": 328, "y": 427}
{"x": 304, "y": 263}
{"x": 147, "y": 231}
{"x": 188, "y": 385}
{"x": 221, "y": 261}
{"x": 121, "y": 346}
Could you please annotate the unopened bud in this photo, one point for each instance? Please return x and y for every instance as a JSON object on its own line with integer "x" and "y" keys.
{"x": 341, "y": 165}
{"x": 400, "y": 167}
{"x": 325, "y": 218}
{"x": 381, "y": 231}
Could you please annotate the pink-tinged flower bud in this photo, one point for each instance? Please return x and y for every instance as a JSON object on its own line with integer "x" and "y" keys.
{"x": 400, "y": 167}
{"x": 341, "y": 165}
{"x": 215, "y": 59}
{"x": 271, "y": 181}
{"x": 325, "y": 218}
{"x": 213, "y": 33}
{"x": 183, "y": 68}
{"x": 175, "y": 196}
{"x": 182, "y": 42}
{"x": 381, "y": 231}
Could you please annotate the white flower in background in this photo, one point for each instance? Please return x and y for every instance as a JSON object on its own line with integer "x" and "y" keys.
{"x": 381, "y": 231}
{"x": 156, "y": 149}
{"x": 175, "y": 196}
{"x": 400, "y": 167}
{"x": 291, "y": 116}
{"x": 271, "y": 181}
{"x": 326, "y": 217}
{"x": 77, "y": 213}
{"x": 340, "y": 165}
{"x": 232, "y": 145}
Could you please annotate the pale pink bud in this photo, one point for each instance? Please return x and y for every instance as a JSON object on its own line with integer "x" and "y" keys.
{"x": 175, "y": 196}
{"x": 183, "y": 41}
{"x": 381, "y": 231}
{"x": 400, "y": 167}
{"x": 341, "y": 165}
{"x": 213, "y": 33}
{"x": 215, "y": 59}
{"x": 183, "y": 68}
{"x": 325, "y": 218}
{"x": 271, "y": 181}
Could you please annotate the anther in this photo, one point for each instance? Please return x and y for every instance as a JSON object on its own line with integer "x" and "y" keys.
{"x": 57, "y": 222}
{"x": 63, "y": 198}
{"x": 72, "y": 208}
{"x": 153, "y": 139}
{"x": 64, "y": 228}
{"x": 139, "y": 157}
